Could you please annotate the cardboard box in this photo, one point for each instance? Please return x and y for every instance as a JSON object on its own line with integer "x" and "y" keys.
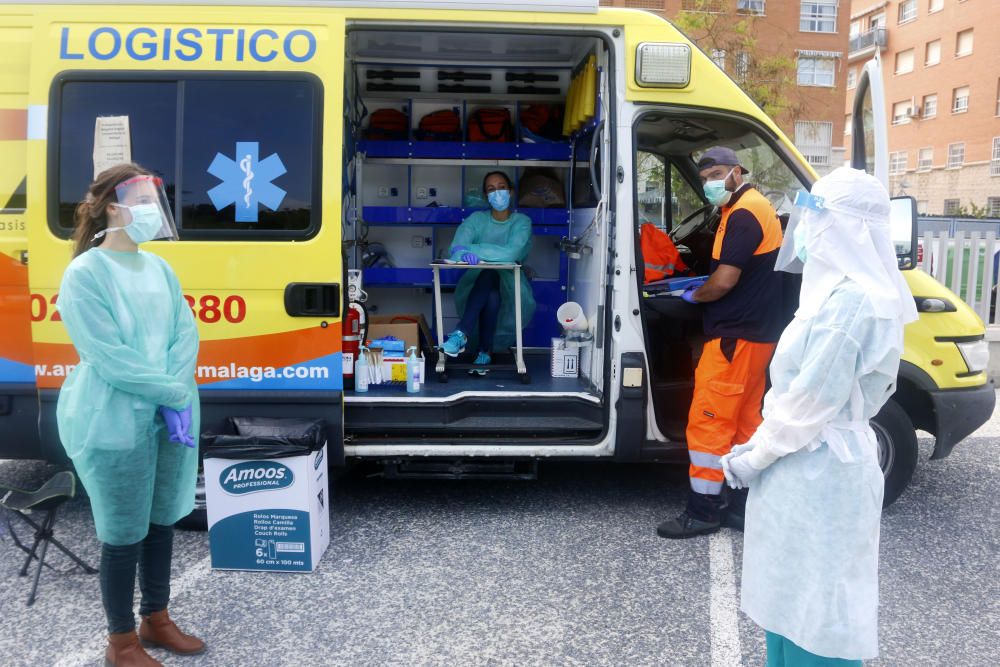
{"x": 565, "y": 360}
{"x": 394, "y": 369}
{"x": 268, "y": 514}
{"x": 410, "y": 328}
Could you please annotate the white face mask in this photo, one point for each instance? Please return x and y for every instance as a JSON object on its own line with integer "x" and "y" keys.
{"x": 716, "y": 192}
{"x": 146, "y": 223}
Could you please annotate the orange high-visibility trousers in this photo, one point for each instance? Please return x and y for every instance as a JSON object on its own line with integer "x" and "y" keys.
{"x": 725, "y": 410}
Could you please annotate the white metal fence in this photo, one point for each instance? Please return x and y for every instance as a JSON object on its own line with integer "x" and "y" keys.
{"x": 963, "y": 255}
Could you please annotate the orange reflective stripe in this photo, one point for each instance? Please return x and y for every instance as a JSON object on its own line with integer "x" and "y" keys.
{"x": 711, "y": 474}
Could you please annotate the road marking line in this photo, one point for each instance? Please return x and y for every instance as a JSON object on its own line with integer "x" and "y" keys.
{"x": 93, "y": 649}
{"x": 725, "y": 626}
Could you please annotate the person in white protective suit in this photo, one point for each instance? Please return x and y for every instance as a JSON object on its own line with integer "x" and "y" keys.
{"x": 810, "y": 555}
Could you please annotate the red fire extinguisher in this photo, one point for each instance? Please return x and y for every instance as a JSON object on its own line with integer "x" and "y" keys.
{"x": 355, "y": 331}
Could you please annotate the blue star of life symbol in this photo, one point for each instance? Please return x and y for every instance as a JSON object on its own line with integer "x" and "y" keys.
{"x": 246, "y": 181}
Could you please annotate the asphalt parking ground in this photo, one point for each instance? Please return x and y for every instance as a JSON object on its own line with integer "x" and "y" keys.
{"x": 565, "y": 570}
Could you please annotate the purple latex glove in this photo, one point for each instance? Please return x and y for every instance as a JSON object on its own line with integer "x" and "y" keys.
{"x": 689, "y": 293}
{"x": 458, "y": 250}
{"x": 172, "y": 419}
{"x": 175, "y": 420}
{"x": 470, "y": 258}
{"x": 186, "y": 427}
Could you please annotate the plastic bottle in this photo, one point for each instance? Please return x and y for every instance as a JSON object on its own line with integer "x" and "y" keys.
{"x": 361, "y": 371}
{"x": 413, "y": 379}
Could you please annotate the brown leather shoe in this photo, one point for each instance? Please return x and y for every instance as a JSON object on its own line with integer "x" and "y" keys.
{"x": 157, "y": 630}
{"x": 124, "y": 650}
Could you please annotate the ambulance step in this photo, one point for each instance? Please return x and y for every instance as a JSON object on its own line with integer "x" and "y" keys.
{"x": 521, "y": 469}
{"x": 522, "y": 419}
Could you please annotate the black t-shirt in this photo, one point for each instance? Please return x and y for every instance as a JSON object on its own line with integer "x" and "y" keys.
{"x": 753, "y": 309}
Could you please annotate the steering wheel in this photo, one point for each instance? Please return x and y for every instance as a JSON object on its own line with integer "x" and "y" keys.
{"x": 692, "y": 224}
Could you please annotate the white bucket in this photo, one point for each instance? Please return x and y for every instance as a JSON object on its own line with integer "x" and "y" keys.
{"x": 571, "y": 317}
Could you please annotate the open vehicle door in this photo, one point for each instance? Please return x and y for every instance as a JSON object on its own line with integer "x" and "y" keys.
{"x": 870, "y": 151}
{"x": 869, "y": 131}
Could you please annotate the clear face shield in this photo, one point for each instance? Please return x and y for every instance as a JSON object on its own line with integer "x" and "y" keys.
{"x": 141, "y": 211}
{"x": 788, "y": 256}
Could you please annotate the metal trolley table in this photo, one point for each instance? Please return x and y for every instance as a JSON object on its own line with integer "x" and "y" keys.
{"x": 518, "y": 366}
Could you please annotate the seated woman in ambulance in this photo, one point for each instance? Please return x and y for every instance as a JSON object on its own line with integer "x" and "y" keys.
{"x": 485, "y": 298}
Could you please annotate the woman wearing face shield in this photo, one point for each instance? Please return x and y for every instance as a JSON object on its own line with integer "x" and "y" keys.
{"x": 486, "y": 298}
{"x": 128, "y": 413}
{"x": 810, "y": 556}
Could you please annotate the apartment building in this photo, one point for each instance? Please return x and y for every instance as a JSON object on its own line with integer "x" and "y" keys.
{"x": 941, "y": 69}
{"x": 813, "y": 33}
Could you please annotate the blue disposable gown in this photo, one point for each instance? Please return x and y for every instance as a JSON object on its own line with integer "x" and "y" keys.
{"x": 495, "y": 241}
{"x": 138, "y": 346}
{"x": 810, "y": 555}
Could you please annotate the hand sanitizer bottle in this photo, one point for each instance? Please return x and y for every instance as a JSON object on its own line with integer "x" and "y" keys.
{"x": 361, "y": 371}
{"x": 413, "y": 379}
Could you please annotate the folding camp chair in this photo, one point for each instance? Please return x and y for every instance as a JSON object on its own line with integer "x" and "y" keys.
{"x": 45, "y": 501}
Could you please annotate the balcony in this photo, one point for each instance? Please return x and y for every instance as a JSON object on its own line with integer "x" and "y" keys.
{"x": 866, "y": 43}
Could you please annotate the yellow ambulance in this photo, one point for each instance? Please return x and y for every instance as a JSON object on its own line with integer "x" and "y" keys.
{"x": 319, "y": 156}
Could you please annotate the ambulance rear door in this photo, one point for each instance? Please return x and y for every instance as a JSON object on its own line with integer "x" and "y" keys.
{"x": 240, "y": 115}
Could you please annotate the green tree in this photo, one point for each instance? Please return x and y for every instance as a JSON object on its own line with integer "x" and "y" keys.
{"x": 732, "y": 41}
{"x": 973, "y": 210}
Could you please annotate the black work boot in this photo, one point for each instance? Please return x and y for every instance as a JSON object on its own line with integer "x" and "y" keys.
{"x": 702, "y": 517}
{"x": 686, "y": 525}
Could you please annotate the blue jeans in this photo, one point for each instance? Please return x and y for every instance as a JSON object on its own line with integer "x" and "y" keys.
{"x": 483, "y": 307}
{"x": 782, "y": 652}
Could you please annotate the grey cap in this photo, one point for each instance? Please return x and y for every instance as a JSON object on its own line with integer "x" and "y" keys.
{"x": 720, "y": 155}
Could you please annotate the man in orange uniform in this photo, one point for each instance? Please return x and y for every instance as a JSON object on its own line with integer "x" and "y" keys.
{"x": 743, "y": 320}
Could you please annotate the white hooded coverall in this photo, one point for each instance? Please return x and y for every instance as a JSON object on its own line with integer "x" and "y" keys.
{"x": 810, "y": 560}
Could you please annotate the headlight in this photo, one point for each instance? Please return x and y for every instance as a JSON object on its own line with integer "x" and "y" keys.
{"x": 976, "y": 355}
{"x": 929, "y": 304}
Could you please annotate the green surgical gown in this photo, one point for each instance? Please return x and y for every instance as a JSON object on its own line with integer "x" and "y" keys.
{"x": 495, "y": 241}
{"x": 138, "y": 346}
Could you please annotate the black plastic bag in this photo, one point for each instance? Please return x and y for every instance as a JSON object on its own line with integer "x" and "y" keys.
{"x": 265, "y": 438}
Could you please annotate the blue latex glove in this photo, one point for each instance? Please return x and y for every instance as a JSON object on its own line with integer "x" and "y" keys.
{"x": 174, "y": 420}
{"x": 689, "y": 293}
{"x": 470, "y": 258}
{"x": 738, "y": 469}
{"x": 458, "y": 250}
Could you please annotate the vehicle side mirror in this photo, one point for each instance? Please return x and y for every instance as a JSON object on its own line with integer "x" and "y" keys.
{"x": 903, "y": 230}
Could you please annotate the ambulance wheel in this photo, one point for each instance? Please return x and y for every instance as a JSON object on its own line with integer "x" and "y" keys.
{"x": 897, "y": 449}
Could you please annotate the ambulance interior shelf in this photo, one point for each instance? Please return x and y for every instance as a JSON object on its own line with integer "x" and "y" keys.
{"x": 424, "y": 215}
{"x": 430, "y": 133}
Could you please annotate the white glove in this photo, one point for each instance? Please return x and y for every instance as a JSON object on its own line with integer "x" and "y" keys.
{"x": 737, "y": 467}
